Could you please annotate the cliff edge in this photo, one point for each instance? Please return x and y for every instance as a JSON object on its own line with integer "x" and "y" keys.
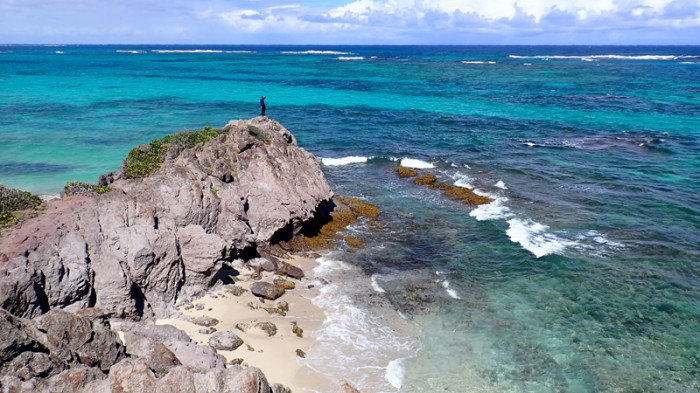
{"x": 133, "y": 251}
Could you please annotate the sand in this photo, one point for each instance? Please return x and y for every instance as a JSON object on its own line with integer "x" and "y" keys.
{"x": 275, "y": 355}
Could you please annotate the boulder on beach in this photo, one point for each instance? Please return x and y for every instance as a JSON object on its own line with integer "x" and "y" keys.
{"x": 225, "y": 341}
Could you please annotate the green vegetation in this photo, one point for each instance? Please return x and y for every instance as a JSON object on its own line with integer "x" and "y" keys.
{"x": 257, "y": 134}
{"x": 12, "y": 200}
{"x": 146, "y": 159}
{"x": 189, "y": 139}
{"x": 79, "y": 188}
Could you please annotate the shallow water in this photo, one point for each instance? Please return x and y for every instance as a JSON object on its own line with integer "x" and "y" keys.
{"x": 583, "y": 276}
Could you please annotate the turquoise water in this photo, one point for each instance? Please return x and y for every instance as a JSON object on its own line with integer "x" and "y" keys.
{"x": 583, "y": 276}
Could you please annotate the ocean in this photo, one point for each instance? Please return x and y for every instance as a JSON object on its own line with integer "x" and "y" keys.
{"x": 583, "y": 275}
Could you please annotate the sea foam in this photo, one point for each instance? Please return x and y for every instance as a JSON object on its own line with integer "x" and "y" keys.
{"x": 603, "y": 57}
{"x": 186, "y": 51}
{"x": 350, "y": 58}
{"x": 353, "y": 342}
{"x": 375, "y": 285}
{"x": 534, "y": 237}
{"x": 316, "y": 52}
{"x": 344, "y": 160}
{"x": 417, "y": 164}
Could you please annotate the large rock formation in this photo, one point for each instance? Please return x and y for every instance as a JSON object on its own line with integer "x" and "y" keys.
{"x": 134, "y": 250}
{"x": 69, "y": 353}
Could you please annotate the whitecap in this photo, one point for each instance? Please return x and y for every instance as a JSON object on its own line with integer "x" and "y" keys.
{"x": 316, "y": 52}
{"x": 353, "y": 341}
{"x": 186, "y": 51}
{"x": 462, "y": 180}
{"x": 241, "y": 51}
{"x": 346, "y": 58}
{"x": 376, "y": 286}
{"x": 130, "y": 51}
{"x": 496, "y": 210}
{"x": 344, "y": 160}
{"x": 395, "y": 373}
{"x": 500, "y": 184}
{"x": 417, "y": 164}
{"x": 534, "y": 237}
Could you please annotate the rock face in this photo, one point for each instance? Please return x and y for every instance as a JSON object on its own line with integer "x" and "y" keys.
{"x": 134, "y": 250}
{"x": 69, "y": 353}
{"x": 57, "y": 341}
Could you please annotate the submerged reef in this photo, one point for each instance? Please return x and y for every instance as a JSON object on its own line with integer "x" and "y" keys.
{"x": 466, "y": 195}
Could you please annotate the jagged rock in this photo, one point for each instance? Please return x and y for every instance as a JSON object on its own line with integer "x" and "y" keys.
{"x": 225, "y": 341}
{"x": 156, "y": 355}
{"x": 345, "y": 387}
{"x": 75, "y": 339}
{"x": 297, "y": 330}
{"x": 262, "y": 264}
{"x": 204, "y": 321}
{"x": 287, "y": 269}
{"x": 55, "y": 342}
{"x": 266, "y": 290}
{"x": 133, "y": 250}
{"x": 236, "y": 290}
{"x": 203, "y": 254}
{"x": 208, "y": 330}
{"x": 191, "y": 355}
{"x": 70, "y": 381}
{"x": 286, "y": 284}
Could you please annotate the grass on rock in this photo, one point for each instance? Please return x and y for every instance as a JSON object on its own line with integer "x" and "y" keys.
{"x": 12, "y": 200}
{"x": 146, "y": 159}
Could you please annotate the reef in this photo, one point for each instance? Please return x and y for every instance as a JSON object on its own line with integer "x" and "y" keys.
{"x": 465, "y": 195}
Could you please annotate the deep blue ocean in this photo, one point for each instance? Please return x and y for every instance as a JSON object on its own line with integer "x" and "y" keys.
{"x": 582, "y": 276}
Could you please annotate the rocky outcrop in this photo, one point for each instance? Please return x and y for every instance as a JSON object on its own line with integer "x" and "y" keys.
{"x": 57, "y": 341}
{"x": 136, "y": 249}
{"x": 69, "y": 353}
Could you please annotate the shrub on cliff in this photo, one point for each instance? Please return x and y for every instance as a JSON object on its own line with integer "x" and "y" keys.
{"x": 79, "y": 188}
{"x": 146, "y": 159}
{"x": 12, "y": 200}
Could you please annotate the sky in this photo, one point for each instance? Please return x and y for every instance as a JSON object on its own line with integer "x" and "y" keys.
{"x": 338, "y": 22}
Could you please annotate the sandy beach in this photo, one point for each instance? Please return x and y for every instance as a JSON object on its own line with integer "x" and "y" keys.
{"x": 277, "y": 355}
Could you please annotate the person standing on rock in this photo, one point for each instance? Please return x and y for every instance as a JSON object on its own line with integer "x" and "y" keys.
{"x": 262, "y": 105}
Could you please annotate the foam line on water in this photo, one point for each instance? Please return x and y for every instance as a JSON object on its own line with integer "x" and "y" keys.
{"x": 316, "y": 52}
{"x": 344, "y": 160}
{"x": 416, "y": 164}
{"x": 376, "y": 286}
{"x": 534, "y": 237}
{"x": 446, "y": 285}
{"x": 353, "y": 342}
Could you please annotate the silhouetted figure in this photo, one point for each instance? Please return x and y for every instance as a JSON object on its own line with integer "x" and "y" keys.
{"x": 262, "y": 105}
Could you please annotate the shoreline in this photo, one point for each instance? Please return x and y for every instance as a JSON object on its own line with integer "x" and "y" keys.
{"x": 275, "y": 355}
{"x": 344, "y": 341}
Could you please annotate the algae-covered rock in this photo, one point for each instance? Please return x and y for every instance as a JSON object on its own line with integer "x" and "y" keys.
{"x": 425, "y": 179}
{"x": 406, "y": 172}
